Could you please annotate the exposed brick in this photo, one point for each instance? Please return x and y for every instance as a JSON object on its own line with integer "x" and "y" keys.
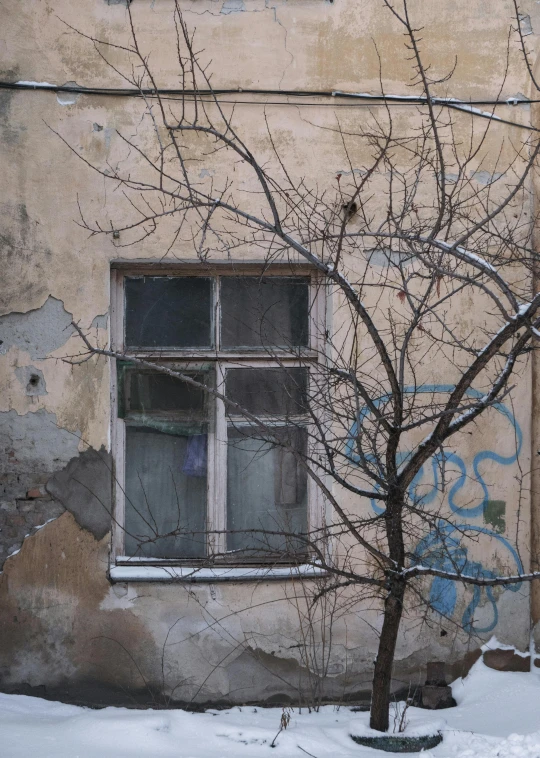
{"x": 37, "y": 519}
{"x": 15, "y": 486}
{"x": 34, "y": 493}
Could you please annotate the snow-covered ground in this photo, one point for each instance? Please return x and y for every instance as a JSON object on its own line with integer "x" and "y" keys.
{"x": 498, "y": 716}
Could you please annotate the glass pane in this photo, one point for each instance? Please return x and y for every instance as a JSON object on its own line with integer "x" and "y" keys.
{"x": 266, "y": 492}
{"x": 264, "y": 312}
{"x": 166, "y": 311}
{"x": 147, "y": 391}
{"x": 165, "y": 494}
{"x": 268, "y": 391}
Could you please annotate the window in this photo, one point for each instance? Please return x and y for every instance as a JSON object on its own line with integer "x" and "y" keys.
{"x": 198, "y": 480}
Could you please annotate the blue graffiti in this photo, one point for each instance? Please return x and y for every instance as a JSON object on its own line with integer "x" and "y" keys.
{"x": 443, "y": 457}
{"x": 443, "y": 547}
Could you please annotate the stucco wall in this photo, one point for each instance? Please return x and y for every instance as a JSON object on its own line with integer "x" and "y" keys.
{"x": 63, "y": 625}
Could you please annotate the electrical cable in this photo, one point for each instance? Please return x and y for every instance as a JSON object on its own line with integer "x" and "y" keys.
{"x": 358, "y": 99}
{"x": 132, "y": 92}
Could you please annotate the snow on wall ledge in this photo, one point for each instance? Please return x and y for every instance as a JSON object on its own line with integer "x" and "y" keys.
{"x": 134, "y": 573}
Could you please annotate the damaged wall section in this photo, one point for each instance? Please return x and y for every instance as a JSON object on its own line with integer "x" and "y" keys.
{"x": 84, "y": 489}
{"x": 38, "y": 332}
{"x": 42, "y": 474}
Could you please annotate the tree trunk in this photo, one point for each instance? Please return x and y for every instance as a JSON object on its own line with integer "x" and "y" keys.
{"x": 382, "y": 676}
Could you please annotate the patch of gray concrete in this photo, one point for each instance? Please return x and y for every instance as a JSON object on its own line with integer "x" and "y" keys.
{"x": 84, "y": 487}
{"x": 100, "y": 322}
{"x": 233, "y": 6}
{"x": 32, "y": 380}
{"x": 32, "y": 447}
{"x": 39, "y": 332}
{"x": 34, "y": 443}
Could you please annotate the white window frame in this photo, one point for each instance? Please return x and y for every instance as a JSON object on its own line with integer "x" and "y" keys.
{"x": 126, "y": 568}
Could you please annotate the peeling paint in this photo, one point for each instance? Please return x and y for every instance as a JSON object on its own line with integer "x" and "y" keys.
{"x": 66, "y": 632}
{"x": 100, "y": 322}
{"x": 32, "y": 380}
{"x": 485, "y": 177}
{"x": 38, "y": 332}
{"x": 382, "y": 257}
{"x": 34, "y": 443}
{"x": 233, "y": 6}
{"x": 84, "y": 488}
{"x": 518, "y": 99}
{"x": 525, "y": 24}
{"x": 32, "y": 447}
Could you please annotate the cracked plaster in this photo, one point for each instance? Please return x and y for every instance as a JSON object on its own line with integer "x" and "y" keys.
{"x": 39, "y": 332}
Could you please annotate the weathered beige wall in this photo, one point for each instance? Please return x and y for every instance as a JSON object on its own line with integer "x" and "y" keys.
{"x": 62, "y": 624}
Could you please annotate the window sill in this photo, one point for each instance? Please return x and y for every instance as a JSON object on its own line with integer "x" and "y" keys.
{"x": 190, "y": 574}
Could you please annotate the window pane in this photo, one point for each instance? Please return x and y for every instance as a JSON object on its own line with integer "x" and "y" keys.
{"x": 268, "y": 391}
{"x": 166, "y": 465}
{"x": 266, "y": 492}
{"x": 264, "y": 312}
{"x": 147, "y": 391}
{"x": 168, "y": 312}
{"x": 165, "y": 494}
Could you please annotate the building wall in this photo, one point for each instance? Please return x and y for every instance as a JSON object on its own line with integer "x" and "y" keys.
{"x": 64, "y": 627}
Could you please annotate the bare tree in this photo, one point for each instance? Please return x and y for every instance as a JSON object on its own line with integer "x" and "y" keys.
{"x": 403, "y": 242}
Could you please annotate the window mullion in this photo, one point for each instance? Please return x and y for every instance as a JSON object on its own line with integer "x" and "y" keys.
{"x": 217, "y": 470}
{"x": 118, "y": 436}
{"x": 119, "y": 448}
{"x": 217, "y": 313}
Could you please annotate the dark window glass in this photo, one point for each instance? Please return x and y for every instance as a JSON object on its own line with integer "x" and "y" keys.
{"x": 268, "y": 391}
{"x": 266, "y": 492}
{"x": 149, "y": 391}
{"x": 166, "y": 312}
{"x": 264, "y": 312}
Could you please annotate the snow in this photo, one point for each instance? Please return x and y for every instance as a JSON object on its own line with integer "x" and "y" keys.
{"x": 460, "y": 105}
{"x": 497, "y": 716}
{"x": 138, "y": 573}
{"x": 35, "y": 84}
{"x": 453, "y": 102}
{"x": 417, "y": 725}
{"x": 494, "y": 644}
{"x": 508, "y": 578}
{"x": 368, "y": 96}
{"x": 476, "y": 259}
{"x": 523, "y": 308}
{"x": 473, "y": 257}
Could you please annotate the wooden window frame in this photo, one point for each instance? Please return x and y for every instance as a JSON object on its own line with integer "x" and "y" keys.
{"x": 125, "y": 568}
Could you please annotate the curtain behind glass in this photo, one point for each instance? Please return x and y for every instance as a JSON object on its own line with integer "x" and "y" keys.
{"x": 266, "y": 492}
{"x": 165, "y": 492}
